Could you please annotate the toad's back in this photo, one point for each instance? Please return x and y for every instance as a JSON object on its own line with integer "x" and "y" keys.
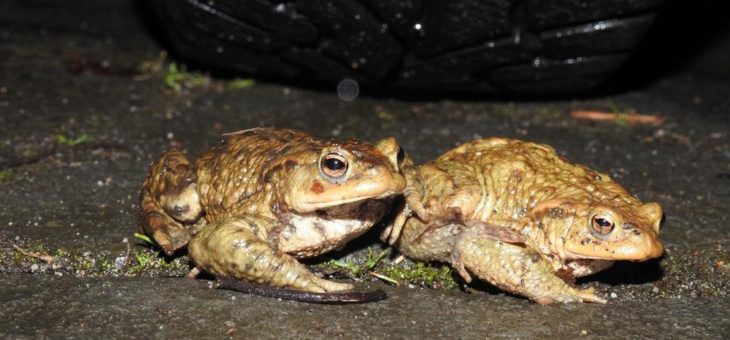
{"x": 514, "y": 176}
{"x": 238, "y": 174}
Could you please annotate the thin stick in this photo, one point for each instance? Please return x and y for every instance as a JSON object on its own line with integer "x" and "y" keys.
{"x": 630, "y": 118}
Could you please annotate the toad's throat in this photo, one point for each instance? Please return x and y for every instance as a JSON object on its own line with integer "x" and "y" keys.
{"x": 312, "y": 234}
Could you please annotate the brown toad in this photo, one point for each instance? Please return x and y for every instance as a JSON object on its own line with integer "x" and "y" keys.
{"x": 261, "y": 198}
{"x": 575, "y": 221}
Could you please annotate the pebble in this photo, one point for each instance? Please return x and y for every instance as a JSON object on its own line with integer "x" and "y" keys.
{"x": 120, "y": 261}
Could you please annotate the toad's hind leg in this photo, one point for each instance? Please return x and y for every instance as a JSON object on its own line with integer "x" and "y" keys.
{"x": 238, "y": 248}
{"x": 169, "y": 201}
{"x": 520, "y": 271}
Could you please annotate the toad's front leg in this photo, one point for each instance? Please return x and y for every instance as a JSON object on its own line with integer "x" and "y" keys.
{"x": 238, "y": 248}
{"x": 519, "y": 270}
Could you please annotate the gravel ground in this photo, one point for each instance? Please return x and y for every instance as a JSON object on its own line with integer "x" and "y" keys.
{"x": 87, "y": 101}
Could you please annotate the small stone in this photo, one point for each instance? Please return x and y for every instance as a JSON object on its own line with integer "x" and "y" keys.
{"x": 120, "y": 261}
{"x": 655, "y": 290}
{"x": 614, "y": 295}
{"x": 584, "y": 332}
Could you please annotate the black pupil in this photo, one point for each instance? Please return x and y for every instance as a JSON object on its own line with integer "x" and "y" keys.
{"x": 603, "y": 222}
{"x": 334, "y": 164}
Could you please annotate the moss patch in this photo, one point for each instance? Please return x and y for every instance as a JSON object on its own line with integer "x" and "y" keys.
{"x": 7, "y": 176}
{"x": 423, "y": 274}
{"x": 73, "y": 141}
{"x": 179, "y": 79}
{"x": 137, "y": 260}
{"x": 376, "y": 266}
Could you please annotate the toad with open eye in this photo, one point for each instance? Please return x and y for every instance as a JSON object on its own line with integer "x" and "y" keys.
{"x": 572, "y": 221}
{"x": 257, "y": 201}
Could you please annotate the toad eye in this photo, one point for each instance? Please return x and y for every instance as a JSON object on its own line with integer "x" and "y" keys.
{"x": 601, "y": 225}
{"x": 333, "y": 165}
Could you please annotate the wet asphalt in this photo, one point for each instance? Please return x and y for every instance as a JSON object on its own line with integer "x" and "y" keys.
{"x": 74, "y": 70}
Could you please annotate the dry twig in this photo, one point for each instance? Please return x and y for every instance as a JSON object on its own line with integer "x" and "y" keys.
{"x": 41, "y": 256}
{"x": 629, "y": 118}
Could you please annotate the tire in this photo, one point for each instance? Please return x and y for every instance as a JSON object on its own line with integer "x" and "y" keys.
{"x": 483, "y": 46}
